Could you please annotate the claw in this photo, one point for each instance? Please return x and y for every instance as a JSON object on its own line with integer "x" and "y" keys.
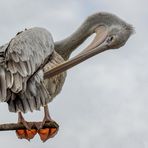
{"x": 47, "y": 133}
{"x": 27, "y": 133}
{"x": 21, "y": 134}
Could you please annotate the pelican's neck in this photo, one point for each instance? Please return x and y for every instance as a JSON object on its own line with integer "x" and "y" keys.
{"x": 68, "y": 45}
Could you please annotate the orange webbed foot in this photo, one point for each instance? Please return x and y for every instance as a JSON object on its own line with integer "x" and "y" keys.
{"x": 26, "y": 134}
{"x": 47, "y": 133}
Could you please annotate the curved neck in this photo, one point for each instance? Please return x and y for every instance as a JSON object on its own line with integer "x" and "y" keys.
{"x": 68, "y": 45}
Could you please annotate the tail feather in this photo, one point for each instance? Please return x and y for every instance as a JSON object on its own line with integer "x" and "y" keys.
{"x": 19, "y": 104}
{"x": 12, "y": 106}
{"x": 33, "y": 98}
{"x": 25, "y": 103}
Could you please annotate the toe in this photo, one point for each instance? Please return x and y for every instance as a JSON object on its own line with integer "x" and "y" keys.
{"x": 21, "y": 134}
{"x": 53, "y": 132}
{"x": 26, "y": 134}
{"x": 43, "y": 133}
{"x": 47, "y": 133}
{"x": 30, "y": 134}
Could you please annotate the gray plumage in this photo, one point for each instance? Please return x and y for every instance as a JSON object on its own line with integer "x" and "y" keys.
{"x": 22, "y": 57}
{"x": 26, "y": 53}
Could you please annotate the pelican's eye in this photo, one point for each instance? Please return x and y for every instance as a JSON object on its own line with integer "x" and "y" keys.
{"x": 110, "y": 39}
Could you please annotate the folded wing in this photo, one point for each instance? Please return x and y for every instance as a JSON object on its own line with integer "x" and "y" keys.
{"x": 18, "y": 62}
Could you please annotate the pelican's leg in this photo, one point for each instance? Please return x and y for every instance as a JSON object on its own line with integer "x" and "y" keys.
{"x": 46, "y": 133}
{"x": 27, "y": 133}
{"x": 47, "y": 117}
{"x": 23, "y": 121}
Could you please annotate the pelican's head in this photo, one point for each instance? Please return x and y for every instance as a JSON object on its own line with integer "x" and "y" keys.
{"x": 111, "y": 31}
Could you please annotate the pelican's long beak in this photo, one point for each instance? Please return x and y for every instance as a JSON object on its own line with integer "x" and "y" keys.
{"x": 98, "y": 45}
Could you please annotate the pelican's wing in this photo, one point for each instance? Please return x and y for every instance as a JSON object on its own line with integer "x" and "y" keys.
{"x": 22, "y": 58}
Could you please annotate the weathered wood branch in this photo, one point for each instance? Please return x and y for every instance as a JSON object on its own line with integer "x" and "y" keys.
{"x": 16, "y": 126}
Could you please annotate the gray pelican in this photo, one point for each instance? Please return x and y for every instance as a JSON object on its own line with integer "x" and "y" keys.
{"x": 32, "y": 65}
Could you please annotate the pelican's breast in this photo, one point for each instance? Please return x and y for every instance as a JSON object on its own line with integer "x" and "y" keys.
{"x": 54, "y": 84}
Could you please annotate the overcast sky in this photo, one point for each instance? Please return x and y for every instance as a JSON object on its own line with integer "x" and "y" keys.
{"x": 104, "y": 102}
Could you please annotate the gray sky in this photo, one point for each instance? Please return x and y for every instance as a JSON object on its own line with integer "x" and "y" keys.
{"x": 104, "y": 100}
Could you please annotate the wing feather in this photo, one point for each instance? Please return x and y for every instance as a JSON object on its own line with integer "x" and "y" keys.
{"x": 2, "y": 84}
{"x": 17, "y": 84}
{"x": 24, "y": 55}
{"x": 9, "y": 79}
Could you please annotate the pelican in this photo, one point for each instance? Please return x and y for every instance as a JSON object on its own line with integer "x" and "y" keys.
{"x": 33, "y": 66}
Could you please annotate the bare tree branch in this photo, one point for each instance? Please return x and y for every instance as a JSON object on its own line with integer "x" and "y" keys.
{"x": 16, "y": 126}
